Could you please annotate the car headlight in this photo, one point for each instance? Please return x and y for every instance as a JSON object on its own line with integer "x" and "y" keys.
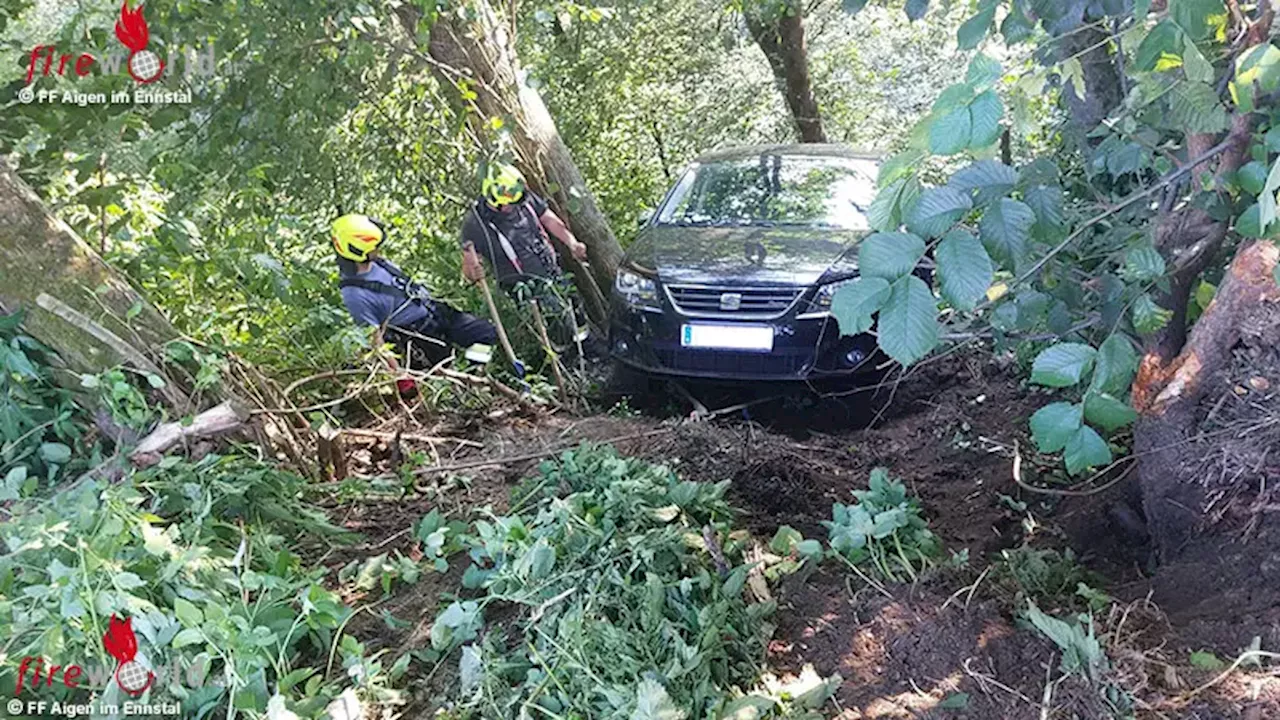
{"x": 636, "y": 289}
{"x": 822, "y": 301}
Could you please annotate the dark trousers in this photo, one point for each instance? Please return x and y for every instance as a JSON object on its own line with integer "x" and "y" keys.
{"x": 447, "y": 324}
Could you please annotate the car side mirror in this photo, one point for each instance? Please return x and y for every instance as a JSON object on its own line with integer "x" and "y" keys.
{"x": 645, "y": 216}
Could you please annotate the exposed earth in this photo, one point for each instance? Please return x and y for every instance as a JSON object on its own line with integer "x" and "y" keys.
{"x": 953, "y": 644}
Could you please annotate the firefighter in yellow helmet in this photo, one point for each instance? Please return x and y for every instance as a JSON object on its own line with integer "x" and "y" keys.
{"x": 510, "y": 227}
{"x": 380, "y": 295}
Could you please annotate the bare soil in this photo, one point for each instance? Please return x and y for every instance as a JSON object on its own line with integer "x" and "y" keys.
{"x": 950, "y": 432}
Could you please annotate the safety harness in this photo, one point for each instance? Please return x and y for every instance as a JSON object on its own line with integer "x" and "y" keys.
{"x": 406, "y": 288}
{"x": 540, "y": 248}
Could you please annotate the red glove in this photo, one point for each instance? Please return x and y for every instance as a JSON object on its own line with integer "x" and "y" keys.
{"x": 407, "y": 387}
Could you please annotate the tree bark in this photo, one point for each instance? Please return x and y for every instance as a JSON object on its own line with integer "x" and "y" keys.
{"x": 73, "y": 301}
{"x": 781, "y": 38}
{"x": 1168, "y": 396}
{"x": 1103, "y": 83}
{"x": 476, "y": 56}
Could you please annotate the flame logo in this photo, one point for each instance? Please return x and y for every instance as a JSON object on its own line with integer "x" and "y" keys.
{"x": 119, "y": 639}
{"x": 132, "y": 31}
{"x": 131, "y": 28}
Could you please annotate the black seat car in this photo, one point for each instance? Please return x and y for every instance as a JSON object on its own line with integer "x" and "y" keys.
{"x": 732, "y": 277}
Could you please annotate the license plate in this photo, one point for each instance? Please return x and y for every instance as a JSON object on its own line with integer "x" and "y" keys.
{"x": 755, "y": 338}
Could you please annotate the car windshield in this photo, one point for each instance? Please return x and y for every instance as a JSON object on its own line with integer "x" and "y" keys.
{"x": 771, "y": 190}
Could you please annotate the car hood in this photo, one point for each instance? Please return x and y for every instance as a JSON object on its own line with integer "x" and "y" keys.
{"x": 793, "y": 256}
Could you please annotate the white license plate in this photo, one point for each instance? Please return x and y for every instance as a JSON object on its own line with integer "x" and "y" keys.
{"x": 756, "y": 338}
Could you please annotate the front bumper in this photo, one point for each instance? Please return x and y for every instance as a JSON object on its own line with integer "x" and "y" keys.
{"x": 806, "y": 346}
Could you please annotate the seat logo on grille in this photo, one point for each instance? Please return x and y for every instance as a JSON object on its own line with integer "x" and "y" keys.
{"x": 730, "y": 301}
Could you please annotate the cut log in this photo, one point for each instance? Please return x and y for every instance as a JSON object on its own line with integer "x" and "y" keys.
{"x": 220, "y": 420}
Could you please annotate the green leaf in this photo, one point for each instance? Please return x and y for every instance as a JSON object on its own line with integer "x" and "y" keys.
{"x": 916, "y": 9}
{"x": 908, "y": 328}
{"x": 856, "y": 301}
{"x": 653, "y": 703}
{"x": 1252, "y": 177}
{"x": 853, "y": 7}
{"x": 937, "y": 210}
{"x": 887, "y": 211}
{"x": 1085, "y": 450}
{"x": 975, "y": 29}
{"x": 951, "y": 132}
{"x": 55, "y": 452}
{"x": 1197, "y": 17}
{"x": 1206, "y": 660}
{"x": 1143, "y": 263}
{"x": 127, "y": 581}
{"x": 1115, "y": 366}
{"x": 1164, "y": 38}
{"x": 985, "y": 113}
{"x": 1108, "y": 412}
{"x": 964, "y": 269}
{"x": 1148, "y": 317}
{"x": 1141, "y": 8}
{"x": 1257, "y": 70}
{"x": 1005, "y": 228}
{"x": 1062, "y": 365}
{"x": 187, "y": 637}
{"x": 188, "y": 614}
{"x": 889, "y": 255}
{"x": 1249, "y": 224}
{"x": 1053, "y": 426}
{"x": 1046, "y": 202}
{"x": 990, "y": 179}
{"x": 1194, "y": 108}
{"x": 983, "y": 72}
{"x": 955, "y": 701}
{"x": 1194, "y": 64}
{"x": 1016, "y": 26}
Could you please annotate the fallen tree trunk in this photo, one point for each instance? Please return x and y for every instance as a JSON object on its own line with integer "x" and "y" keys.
{"x": 779, "y": 31}
{"x": 73, "y": 301}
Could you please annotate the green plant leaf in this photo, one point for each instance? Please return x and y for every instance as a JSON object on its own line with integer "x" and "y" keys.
{"x": 964, "y": 269}
{"x": 1086, "y": 450}
{"x": 856, "y": 301}
{"x": 1206, "y": 660}
{"x": 1046, "y": 202}
{"x": 985, "y": 112}
{"x": 985, "y": 180}
{"x": 1005, "y": 228}
{"x": 188, "y": 614}
{"x": 1062, "y": 365}
{"x": 1143, "y": 263}
{"x": 983, "y": 72}
{"x": 1252, "y": 177}
{"x": 1257, "y": 70}
{"x": 975, "y": 29}
{"x": 1249, "y": 224}
{"x": 1197, "y": 17}
{"x": 1194, "y": 64}
{"x": 1194, "y": 108}
{"x": 889, "y": 255}
{"x": 1107, "y": 412}
{"x": 887, "y": 212}
{"x": 1141, "y": 8}
{"x": 916, "y": 9}
{"x": 853, "y": 7}
{"x": 1164, "y": 38}
{"x": 1053, "y": 426}
{"x": 1115, "y": 366}
{"x": 908, "y": 328}
{"x": 1148, "y": 317}
{"x": 951, "y": 132}
{"x": 55, "y": 452}
{"x": 954, "y": 701}
{"x": 653, "y": 702}
{"x": 937, "y": 210}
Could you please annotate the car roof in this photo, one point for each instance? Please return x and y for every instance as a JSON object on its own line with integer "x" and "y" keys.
{"x": 812, "y": 150}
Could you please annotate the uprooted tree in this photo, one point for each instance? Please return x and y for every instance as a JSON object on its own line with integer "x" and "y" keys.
{"x": 1115, "y": 249}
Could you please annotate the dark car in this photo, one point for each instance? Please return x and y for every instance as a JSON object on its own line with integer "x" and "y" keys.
{"x": 732, "y": 277}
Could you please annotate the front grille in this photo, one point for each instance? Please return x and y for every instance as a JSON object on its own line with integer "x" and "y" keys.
{"x": 753, "y": 302}
{"x": 779, "y": 363}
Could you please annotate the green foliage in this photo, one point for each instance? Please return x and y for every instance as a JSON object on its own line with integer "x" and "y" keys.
{"x": 884, "y": 529}
{"x": 41, "y": 427}
{"x": 624, "y": 612}
{"x": 1081, "y": 651}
